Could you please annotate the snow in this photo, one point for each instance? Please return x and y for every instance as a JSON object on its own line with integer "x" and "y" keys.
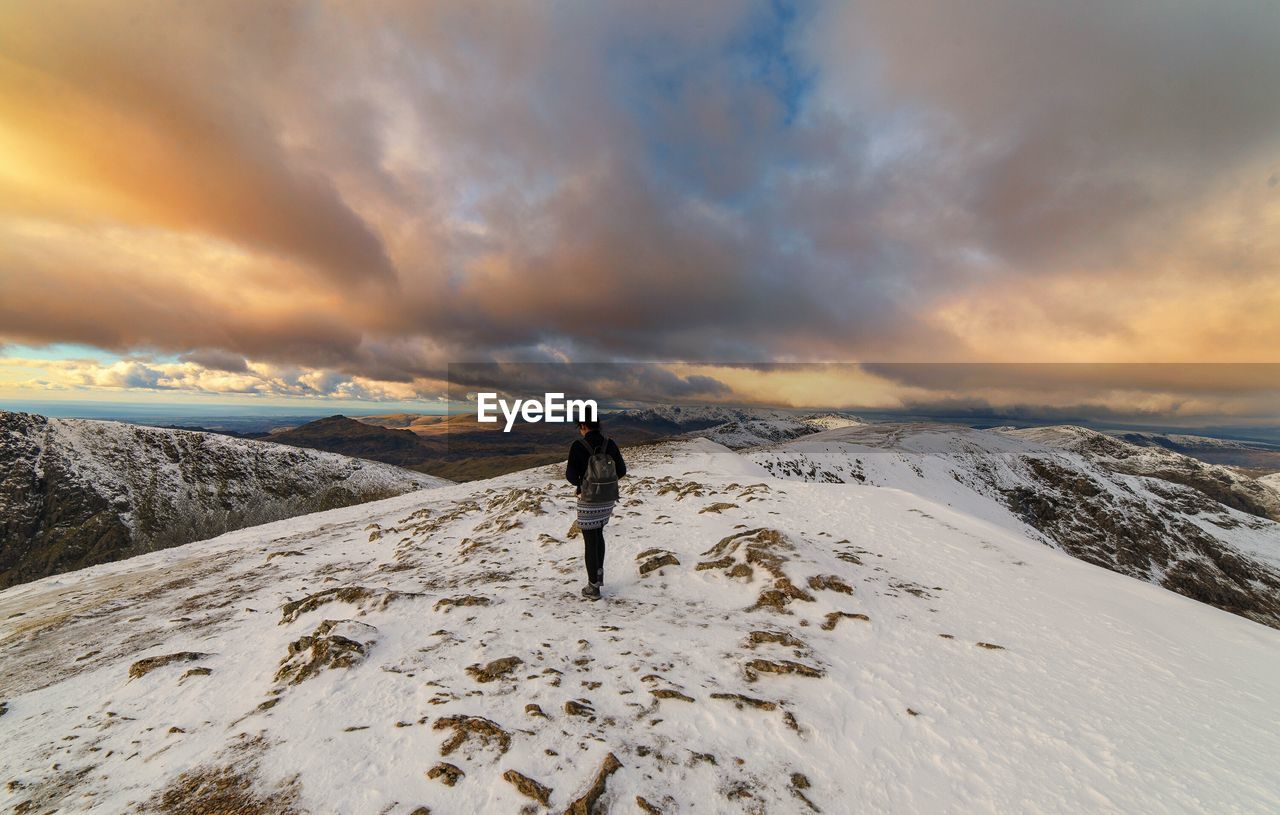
{"x": 108, "y": 454}
{"x": 1106, "y": 693}
{"x": 701, "y": 415}
{"x": 134, "y": 468}
{"x": 754, "y": 432}
{"x": 973, "y": 468}
{"x": 1271, "y": 481}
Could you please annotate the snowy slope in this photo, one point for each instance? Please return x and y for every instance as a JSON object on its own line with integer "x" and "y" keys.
{"x": 1144, "y": 512}
{"x": 1223, "y": 484}
{"x": 743, "y": 433}
{"x": 75, "y": 492}
{"x": 1271, "y": 481}
{"x": 695, "y": 417}
{"x": 806, "y": 645}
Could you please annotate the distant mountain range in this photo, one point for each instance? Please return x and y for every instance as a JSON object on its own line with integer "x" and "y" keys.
{"x": 459, "y": 448}
{"x": 78, "y": 492}
{"x": 1257, "y": 457}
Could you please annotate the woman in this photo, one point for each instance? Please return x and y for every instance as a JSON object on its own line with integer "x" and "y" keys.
{"x": 594, "y": 510}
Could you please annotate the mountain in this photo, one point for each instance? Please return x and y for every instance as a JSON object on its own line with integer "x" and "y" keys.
{"x": 1255, "y": 457}
{"x": 350, "y": 437}
{"x": 742, "y": 433}
{"x": 1196, "y": 529}
{"x": 78, "y": 492}
{"x": 1223, "y": 484}
{"x": 895, "y": 643}
{"x": 460, "y": 448}
{"x": 1271, "y": 481}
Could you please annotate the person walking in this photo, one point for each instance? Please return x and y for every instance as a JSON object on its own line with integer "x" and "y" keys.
{"x": 594, "y": 467}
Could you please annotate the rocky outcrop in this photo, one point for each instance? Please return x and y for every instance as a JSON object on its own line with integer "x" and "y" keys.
{"x": 1145, "y": 512}
{"x": 75, "y": 493}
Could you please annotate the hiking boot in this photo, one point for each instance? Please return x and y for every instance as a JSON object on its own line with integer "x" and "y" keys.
{"x": 591, "y": 591}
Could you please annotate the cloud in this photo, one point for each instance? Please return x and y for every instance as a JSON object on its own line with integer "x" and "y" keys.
{"x": 217, "y": 360}
{"x": 374, "y": 192}
{"x": 192, "y": 378}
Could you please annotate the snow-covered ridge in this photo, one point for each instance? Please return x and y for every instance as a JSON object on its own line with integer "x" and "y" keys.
{"x": 760, "y": 637}
{"x": 1271, "y": 482}
{"x": 1186, "y": 440}
{"x": 744, "y": 433}
{"x": 77, "y": 492}
{"x": 1197, "y": 529}
{"x": 696, "y": 417}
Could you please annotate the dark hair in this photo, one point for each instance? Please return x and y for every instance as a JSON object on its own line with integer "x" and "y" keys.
{"x": 590, "y": 424}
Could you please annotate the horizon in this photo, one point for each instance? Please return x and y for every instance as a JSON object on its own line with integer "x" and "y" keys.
{"x": 210, "y": 415}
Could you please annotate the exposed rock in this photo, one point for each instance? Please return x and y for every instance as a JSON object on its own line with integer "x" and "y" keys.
{"x": 1147, "y": 536}
{"x": 528, "y": 787}
{"x": 739, "y": 700}
{"x": 495, "y": 670}
{"x": 576, "y": 707}
{"x": 143, "y": 667}
{"x": 668, "y": 693}
{"x": 356, "y": 595}
{"x": 448, "y": 774}
{"x": 779, "y": 637}
{"x": 990, "y": 646}
{"x": 646, "y": 807}
{"x": 332, "y": 645}
{"x": 829, "y": 582}
{"x": 717, "y": 507}
{"x": 833, "y": 619}
{"x": 785, "y": 666}
{"x": 799, "y": 782}
{"x": 780, "y": 596}
{"x": 486, "y": 732}
{"x": 583, "y": 803}
{"x": 657, "y": 560}
{"x": 77, "y": 492}
{"x": 448, "y": 603}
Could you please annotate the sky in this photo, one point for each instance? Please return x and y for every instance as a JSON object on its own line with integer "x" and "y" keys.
{"x": 226, "y": 200}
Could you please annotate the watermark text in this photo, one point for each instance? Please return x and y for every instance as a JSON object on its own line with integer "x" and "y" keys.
{"x": 553, "y": 407}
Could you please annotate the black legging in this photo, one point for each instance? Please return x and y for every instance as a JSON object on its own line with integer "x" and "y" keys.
{"x": 593, "y": 544}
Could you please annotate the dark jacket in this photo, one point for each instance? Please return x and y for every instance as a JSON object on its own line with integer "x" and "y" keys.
{"x": 578, "y": 455}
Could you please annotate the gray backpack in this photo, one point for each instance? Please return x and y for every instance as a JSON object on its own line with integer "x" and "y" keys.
{"x": 600, "y": 484}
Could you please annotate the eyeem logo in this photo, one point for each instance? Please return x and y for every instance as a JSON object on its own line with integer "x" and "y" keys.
{"x": 553, "y": 408}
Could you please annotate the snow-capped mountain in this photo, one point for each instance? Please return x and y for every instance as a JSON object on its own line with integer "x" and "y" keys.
{"x": 77, "y": 492}
{"x": 767, "y": 644}
{"x": 1197, "y": 529}
{"x": 1252, "y": 455}
{"x": 743, "y": 433}
{"x": 1177, "y": 440}
{"x": 1222, "y": 484}
{"x": 687, "y": 418}
{"x": 1271, "y": 481}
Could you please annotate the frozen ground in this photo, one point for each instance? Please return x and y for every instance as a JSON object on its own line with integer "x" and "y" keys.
{"x": 767, "y": 644}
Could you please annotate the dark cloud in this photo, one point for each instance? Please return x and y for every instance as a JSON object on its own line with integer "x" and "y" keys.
{"x": 607, "y": 382}
{"x": 217, "y": 360}
{"x": 380, "y": 189}
{"x": 1220, "y": 379}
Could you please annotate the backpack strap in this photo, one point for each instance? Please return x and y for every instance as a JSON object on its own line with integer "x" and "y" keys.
{"x": 604, "y": 447}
